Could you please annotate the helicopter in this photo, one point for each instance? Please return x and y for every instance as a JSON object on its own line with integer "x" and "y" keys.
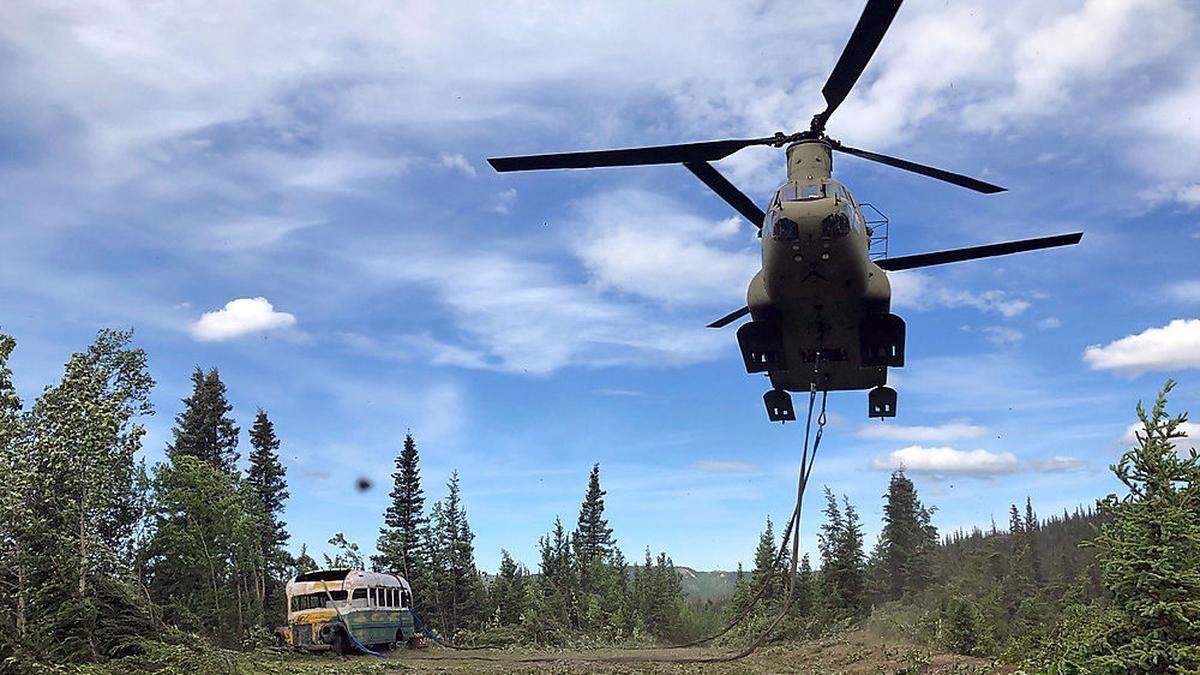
{"x": 820, "y": 307}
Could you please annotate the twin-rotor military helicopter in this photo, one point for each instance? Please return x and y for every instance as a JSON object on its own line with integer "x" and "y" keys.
{"x": 820, "y": 306}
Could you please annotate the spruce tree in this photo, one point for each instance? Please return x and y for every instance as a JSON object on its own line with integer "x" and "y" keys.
{"x": 906, "y": 541}
{"x": 462, "y": 594}
{"x": 1031, "y": 539}
{"x": 592, "y": 537}
{"x": 806, "y": 589}
{"x": 559, "y": 581}
{"x": 1149, "y": 548}
{"x": 508, "y": 591}
{"x": 204, "y": 429}
{"x": 401, "y": 539}
{"x": 266, "y": 478}
{"x": 842, "y": 564}
{"x": 765, "y": 569}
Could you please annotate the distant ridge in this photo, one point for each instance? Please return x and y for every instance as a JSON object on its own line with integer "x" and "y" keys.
{"x": 703, "y": 586}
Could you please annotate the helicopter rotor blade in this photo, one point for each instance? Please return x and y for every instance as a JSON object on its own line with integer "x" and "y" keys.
{"x": 706, "y": 151}
{"x": 727, "y": 191}
{"x": 729, "y": 318}
{"x": 933, "y": 172}
{"x": 909, "y": 262}
{"x": 865, "y": 39}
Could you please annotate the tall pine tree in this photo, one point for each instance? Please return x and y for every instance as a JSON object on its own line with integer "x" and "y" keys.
{"x": 765, "y": 569}
{"x": 902, "y": 564}
{"x": 401, "y": 539}
{"x": 204, "y": 429}
{"x": 460, "y": 588}
{"x": 592, "y": 537}
{"x": 268, "y": 483}
{"x": 842, "y": 566}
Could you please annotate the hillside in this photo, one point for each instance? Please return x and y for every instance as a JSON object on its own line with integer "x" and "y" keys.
{"x": 702, "y": 586}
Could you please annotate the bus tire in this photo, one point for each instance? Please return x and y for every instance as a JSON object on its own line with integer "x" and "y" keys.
{"x": 340, "y": 644}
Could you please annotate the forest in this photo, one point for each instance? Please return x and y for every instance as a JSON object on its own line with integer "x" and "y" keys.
{"x": 107, "y": 562}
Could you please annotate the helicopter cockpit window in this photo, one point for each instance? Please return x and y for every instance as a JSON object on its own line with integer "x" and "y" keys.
{"x": 785, "y": 229}
{"x": 796, "y": 192}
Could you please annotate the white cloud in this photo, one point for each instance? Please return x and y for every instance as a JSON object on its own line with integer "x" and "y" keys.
{"x": 1055, "y": 464}
{"x": 240, "y": 317}
{"x": 250, "y": 233}
{"x": 1171, "y": 347}
{"x": 1185, "y": 292}
{"x": 639, "y": 243}
{"x": 947, "y": 461}
{"x": 502, "y": 202}
{"x": 458, "y": 162}
{"x": 725, "y": 466}
{"x": 951, "y": 431}
{"x": 920, "y": 291}
{"x": 1003, "y": 336}
{"x": 520, "y": 315}
{"x": 1049, "y": 323}
{"x": 627, "y": 393}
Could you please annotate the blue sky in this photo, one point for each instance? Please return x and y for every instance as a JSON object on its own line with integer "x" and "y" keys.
{"x": 297, "y": 195}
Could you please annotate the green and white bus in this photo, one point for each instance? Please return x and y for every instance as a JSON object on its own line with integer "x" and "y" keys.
{"x": 333, "y": 609}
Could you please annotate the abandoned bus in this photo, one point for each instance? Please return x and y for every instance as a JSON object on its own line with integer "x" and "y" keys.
{"x": 322, "y": 605}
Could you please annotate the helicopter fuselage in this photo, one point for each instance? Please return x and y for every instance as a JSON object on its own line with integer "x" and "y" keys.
{"x": 818, "y": 286}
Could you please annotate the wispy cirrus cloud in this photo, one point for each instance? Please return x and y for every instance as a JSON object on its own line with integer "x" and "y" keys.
{"x": 921, "y": 291}
{"x": 725, "y": 466}
{"x": 950, "y": 431}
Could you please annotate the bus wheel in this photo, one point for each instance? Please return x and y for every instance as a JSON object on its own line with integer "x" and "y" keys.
{"x": 340, "y": 645}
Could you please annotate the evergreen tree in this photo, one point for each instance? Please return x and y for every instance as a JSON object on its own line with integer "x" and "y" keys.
{"x": 806, "y": 589}
{"x": 1149, "y": 546}
{"x": 666, "y": 604}
{"x": 842, "y": 565}
{"x": 201, "y": 560}
{"x": 462, "y": 589}
{"x": 559, "y": 582}
{"x": 204, "y": 429}
{"x": 402, "y": 537}
{"x": 1031, "y": 540}
{"x": 267, "y": 481}
{"x": 766, "y": 571}
{"x": 906, "y": 541}
{"x": 592, "y": 538}
{"x": 508, "y": 591}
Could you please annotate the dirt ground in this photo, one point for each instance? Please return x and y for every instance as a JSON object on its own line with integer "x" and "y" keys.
{"x": 852, "y": 653}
